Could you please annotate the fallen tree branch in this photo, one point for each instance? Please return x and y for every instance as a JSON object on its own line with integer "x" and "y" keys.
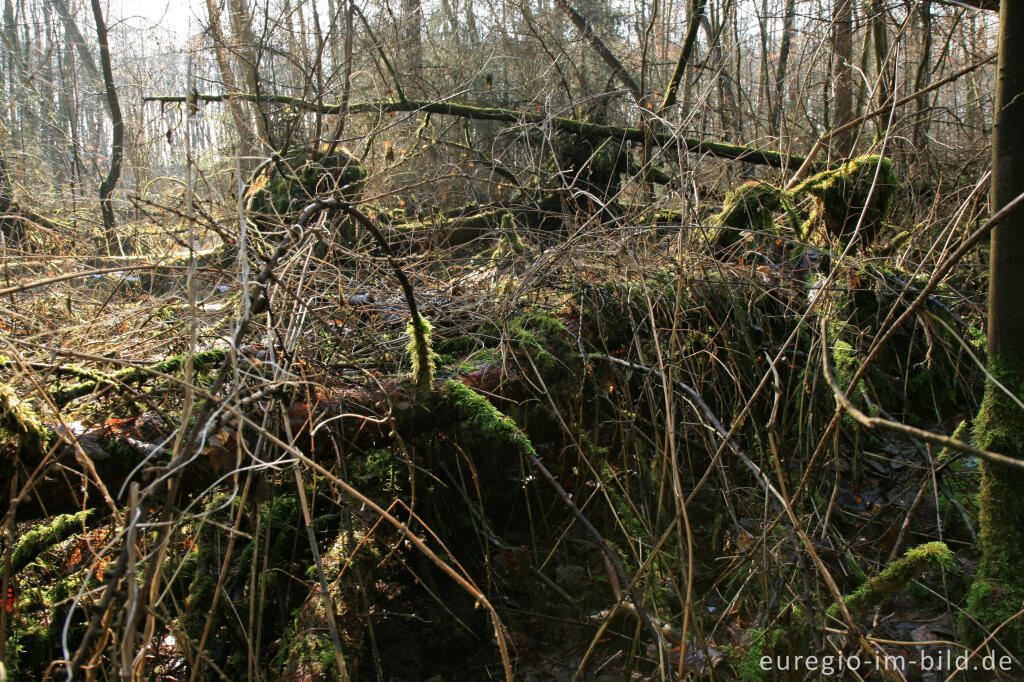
{"x": 764, "y": 157}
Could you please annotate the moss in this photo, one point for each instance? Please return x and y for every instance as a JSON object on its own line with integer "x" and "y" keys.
{"x": 459, "y": 345}
{"x": 856, "y": 572}
{"x": 998, "y": 588}
{"x": 510, "y": 245}
{"x": 18, "y": 421}
{"x": 202, "y": 589}
{"x": 991, "y": 603}
{"x": 895, "y": 576}
{"x": 510, "y": 235}
{"x": 290, "y": 182}
{"x": 544, "y": 338}
{"x": 280, "y": 189}
{"x": 841, "y": 197}
{"x": 751, "y": 207}
{"x": 42, "y": 537}
{"x": 748, "y": 668}
{"x": 28, "y": 646}
{"x": 421, "y": 354}
{"x": 480, "y": 358}
{"x": 202, "y": 362}
{"x": 793, "y": 634}
{"x": 479, "y": 416}
{"x": 588, "y": 162}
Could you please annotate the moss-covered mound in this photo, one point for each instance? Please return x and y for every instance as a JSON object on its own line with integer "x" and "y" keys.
{"x": 752, "y": 207}
{"x": 864, "y": 186}
{"x": 281, "y": 188}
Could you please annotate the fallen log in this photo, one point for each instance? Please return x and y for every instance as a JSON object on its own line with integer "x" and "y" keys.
{"x": 764, "y": 157}
{"x": 123, "y": 450}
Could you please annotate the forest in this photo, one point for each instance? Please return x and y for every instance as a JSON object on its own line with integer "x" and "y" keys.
{"x": 541, "y": 340}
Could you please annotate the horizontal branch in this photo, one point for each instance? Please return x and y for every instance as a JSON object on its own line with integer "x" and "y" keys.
{"x": 990, "y": 5}
{"x": 764, "y": 157}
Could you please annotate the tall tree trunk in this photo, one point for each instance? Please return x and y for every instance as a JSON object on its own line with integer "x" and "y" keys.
{"x": 785, "y": 46}
{"x": 696, "y": 13}
{"x": 248, "y": 57}
{"x": 842, "y": 48}
{"x": 75, "y": 36}
{"x": 998, "y": 589}
{"x": 880, "y": 38}
{"x": 240, "y": 113}
{"x": 117, "y": 144}
{"x": 584, "y": 26}
{"x": 13, "y": 51}
{"x": 728, "y": 109}
{"x": 921, "y": 79}
{"x": 412, "y": 24}
{"x": 474, "y": 37}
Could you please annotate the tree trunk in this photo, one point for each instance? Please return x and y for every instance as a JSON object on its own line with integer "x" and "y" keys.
{"x": 921, "y": 78}
{"x": 583, "y": 25}
{"x": 412, "y": 43}
{"x": 117, "y": 144}
{"x": 785, "y": 46}
{"x": 248, "y": 145}
{"x": 998, "y": 589}
{"x": 696, "y": 12}
{"x": 880, "y": 39}
{"x": 75, "y": 37}
{"x": 764, "y": 157}
{"x": 248, "y": 57}
{"x": 842, "y": 47}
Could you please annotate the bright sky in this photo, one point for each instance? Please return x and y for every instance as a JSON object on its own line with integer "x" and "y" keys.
{"x": 174, "y": 16}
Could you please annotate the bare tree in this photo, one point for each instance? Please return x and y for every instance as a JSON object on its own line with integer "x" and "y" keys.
{"x": 117, "y": 142}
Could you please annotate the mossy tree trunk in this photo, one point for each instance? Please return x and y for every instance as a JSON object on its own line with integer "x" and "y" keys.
{"x": 998, "y": 590}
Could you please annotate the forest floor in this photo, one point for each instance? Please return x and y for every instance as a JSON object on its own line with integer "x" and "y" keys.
{"x": 672, "y": 474}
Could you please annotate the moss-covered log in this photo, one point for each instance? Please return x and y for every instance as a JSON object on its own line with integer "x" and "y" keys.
{"x": 118, "y": 446}
{"x": 42, "y": 538}
{"x": 752, "y": 206}
{"x": 201, "y": 362}
{"x": 895, "y": 577}
{"x": 765, "y": 157}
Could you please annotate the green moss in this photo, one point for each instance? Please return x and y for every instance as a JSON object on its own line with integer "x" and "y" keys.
{"x": 594, "y": 163}
{"x": 18, "y": 421}
{"x": 478, "y": 415}
{"x": 751, "y": 207}
{"x": 748, "y": 668}
{"x": 202, "y": 362}
{"x": 510, "y": 235}
{"x": 480, "y": 358}
{"x": 42, "y": 537}
{"x": 280, "y": 189}
{"x": 544, "y": 338}
{"x": 28, "y": 645}
{"x": 895, "y": 576}
{"x": 793, "y": 634}
{"x": 998, "y": 588}
{"x": 842, "y": 194}
{"x": 421, "y": 354}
